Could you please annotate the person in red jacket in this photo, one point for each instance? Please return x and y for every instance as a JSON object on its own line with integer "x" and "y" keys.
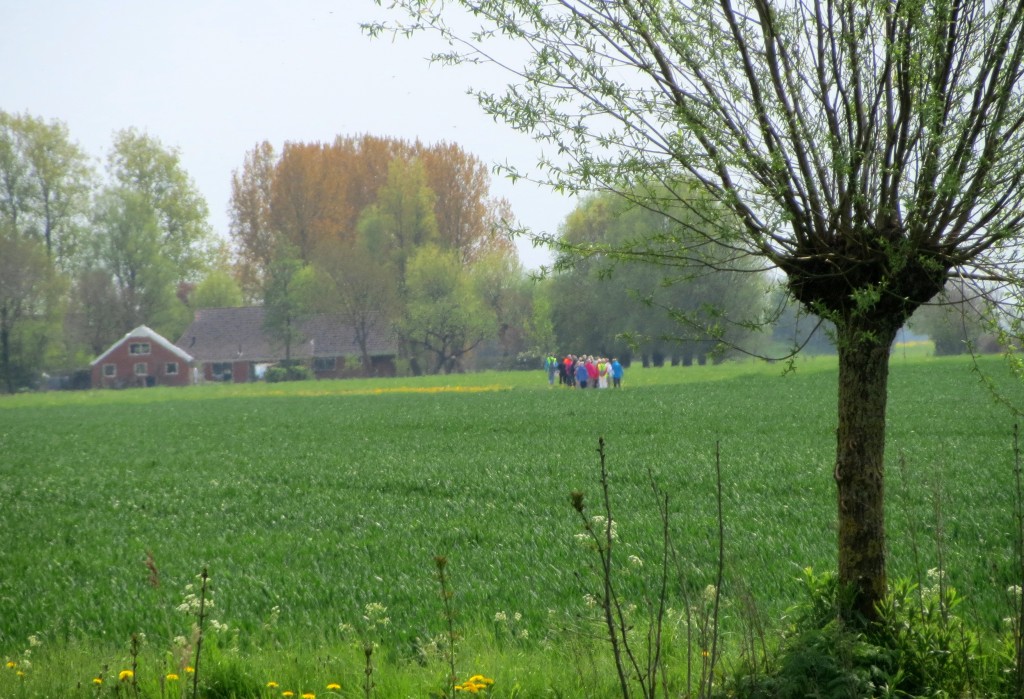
{"x": 591, "y": 372}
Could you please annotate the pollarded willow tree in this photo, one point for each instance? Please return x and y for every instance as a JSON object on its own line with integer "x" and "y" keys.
{"x": 870, "y": 148}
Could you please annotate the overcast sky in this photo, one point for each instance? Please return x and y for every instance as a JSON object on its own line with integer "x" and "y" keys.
{"x": 214, "y": 77}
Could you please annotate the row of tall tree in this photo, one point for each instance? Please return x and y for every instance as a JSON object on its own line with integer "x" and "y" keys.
{"x": 398, "y": 237}
{"x": 87, "y": 253}
{"x": 395, "y": 236}
{"x": 405, "y": 238}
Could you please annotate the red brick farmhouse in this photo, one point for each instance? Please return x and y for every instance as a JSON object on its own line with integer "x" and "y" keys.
{"x": 143, "y": 357}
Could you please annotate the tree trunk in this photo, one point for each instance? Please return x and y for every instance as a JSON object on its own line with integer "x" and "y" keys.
{"x": 5, "y": 351}
{"x": 860, "y": 470}
{"x": 364, "y": 355}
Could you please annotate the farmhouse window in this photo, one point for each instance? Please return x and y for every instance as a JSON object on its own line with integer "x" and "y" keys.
{"x": 221, "y": 371}
{"x": 110, "y": 370}
{"x": 171, "y": 368}
{"x": 324, "y": 364}
{"x": 141, "y": 369}
{"x": 138, "y": 348}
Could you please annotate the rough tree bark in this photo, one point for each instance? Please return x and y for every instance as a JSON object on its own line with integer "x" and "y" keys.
{"x": 860, "y": 464}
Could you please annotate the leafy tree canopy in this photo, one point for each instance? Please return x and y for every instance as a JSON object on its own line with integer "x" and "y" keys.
{"x": 701, "y": 299}
{"x": 45, "y": 183}
{"x": 142, "y": 164}
{"x": 444, "y": 319}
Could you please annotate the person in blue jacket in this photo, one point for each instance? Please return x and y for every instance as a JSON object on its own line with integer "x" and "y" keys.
{"x": 616, "y": 373}
{"x": 581, "y": 373}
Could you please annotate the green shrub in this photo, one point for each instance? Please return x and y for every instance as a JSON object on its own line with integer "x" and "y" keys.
{"x": 919, "y": 648}
{"x": 277, "y": 374}
{"x": 932, "y": 651}
{"x": 819, "y": 657}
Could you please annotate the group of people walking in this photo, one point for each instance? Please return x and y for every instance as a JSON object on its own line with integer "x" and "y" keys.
{"x": 583, "y": 371}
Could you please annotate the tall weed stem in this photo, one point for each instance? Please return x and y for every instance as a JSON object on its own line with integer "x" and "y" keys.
{"x": 204, "y": 576}
{"x": 709, "y": 677}
{"x": 646, "y": 667}
{"x": 1018, "y": 598}
{"x": 446, "y": 600}
{"x": 368, "y": 671}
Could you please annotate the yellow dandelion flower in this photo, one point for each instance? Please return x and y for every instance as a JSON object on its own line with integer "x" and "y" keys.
{"x": 11, "y": 664}
{"x": 97, "y": 681}
{"x": 125, "y": 675}
{"x": 21, "y": 673}
{"x": 272, "y": 684}
{"x": 171, "y": 677}
{"x": 334, "y": 686}
{"x": 287, "y": 693}
{"x": 309, "y": 695}
{"x": 189, "y": 669}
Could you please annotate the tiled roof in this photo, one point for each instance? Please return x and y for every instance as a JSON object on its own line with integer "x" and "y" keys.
{"x": 144, "y": 333}
{"x": 233, "y": 334}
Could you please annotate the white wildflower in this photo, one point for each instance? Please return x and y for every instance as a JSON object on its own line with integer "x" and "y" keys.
{"x": 601, "y": 524}
{"x": 375, "y": 614}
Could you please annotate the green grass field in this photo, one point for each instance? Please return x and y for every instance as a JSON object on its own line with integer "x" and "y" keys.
{"x": 306, "y": 502}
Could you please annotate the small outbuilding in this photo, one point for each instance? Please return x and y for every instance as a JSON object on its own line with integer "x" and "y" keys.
{"x": 143, "y": 357}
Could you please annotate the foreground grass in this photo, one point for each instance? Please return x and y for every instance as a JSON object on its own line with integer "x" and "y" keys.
{"x": 310, "y": 501}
